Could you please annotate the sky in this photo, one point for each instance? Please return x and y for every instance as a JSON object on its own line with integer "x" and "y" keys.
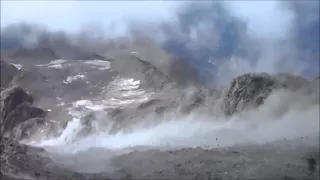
{"x": 72, "y": 15}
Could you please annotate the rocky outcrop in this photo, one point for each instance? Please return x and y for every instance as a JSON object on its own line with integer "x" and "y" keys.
{"x": 247, "y": 90}
{"x": 8, "y": 72}
{"x": 11, "y": 98}
{"x": 16, "y": 108}
{"x": 250, "y": 90}
{"x": 23, "y": 112}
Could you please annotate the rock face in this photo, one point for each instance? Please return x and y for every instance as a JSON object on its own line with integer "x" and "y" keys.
{"x": 16, "y": 107}
{"x": 248, "y": 91}
{"x": 11, "y": 98}
{"x": 8, "y": 71}
{"x": 19, "y": 118}
{"x": 49, "y": 84}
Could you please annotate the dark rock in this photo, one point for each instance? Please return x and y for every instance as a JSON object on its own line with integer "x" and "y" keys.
{"x": 20, "y": 114}
{"x": 16, "y": 107}
{"x": 11, "y": 98}
{"x": 312, "y": 162}
{"x": 8, "y": 71}
{"x": 248, "y": 91}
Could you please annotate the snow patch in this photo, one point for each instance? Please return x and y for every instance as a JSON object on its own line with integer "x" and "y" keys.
{"x": 101, "y": 64}
{"x": 70, "y": 79}
{"x": 18, "y": 66}
{"x": 88, "y": 105}
{"x": 59, "y": 61}
{"x": 58, "y": 64}
{"x": 124, "y": 91}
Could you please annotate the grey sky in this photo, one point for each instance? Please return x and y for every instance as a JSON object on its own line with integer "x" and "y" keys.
{"x": 71, "y": 15}
{"x": 264, "y": 16}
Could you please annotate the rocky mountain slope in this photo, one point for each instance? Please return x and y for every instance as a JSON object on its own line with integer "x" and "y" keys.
{"x": 96, "y": 118}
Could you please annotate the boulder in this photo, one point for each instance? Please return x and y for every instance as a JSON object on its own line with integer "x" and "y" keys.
{"x": 248, "y": 91}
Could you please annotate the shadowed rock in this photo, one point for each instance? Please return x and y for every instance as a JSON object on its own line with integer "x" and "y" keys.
{"x": 8, "y": 71}
{"x": 21, "y": 113}
{"x": 248, "y": 91}
{"x": 16, "y": 107}
{"x": 11, "y": 98}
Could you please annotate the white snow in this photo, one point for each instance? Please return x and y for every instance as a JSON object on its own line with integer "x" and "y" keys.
{"x": 61, "y": 63}
{"x": 88, "y": 105}
{"x": 101, "y": 64}
{"x": 58, "y": 64}
{"x": 70, "y": 79}
{"x": 125, "y": 91}
{"x": 18, "y": 66}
